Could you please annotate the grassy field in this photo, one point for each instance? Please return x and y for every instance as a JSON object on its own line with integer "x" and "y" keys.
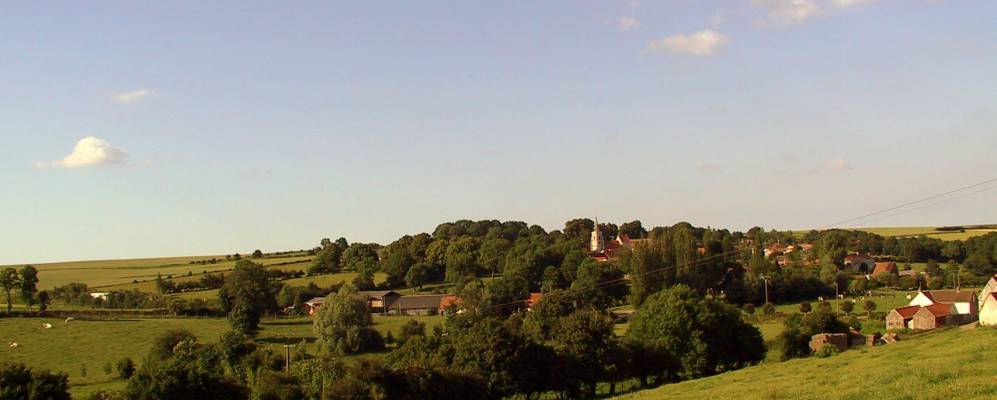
{"x": 94, "y": 343}
{"x": 111, "y": 273}
{"x": 927, "y": 231}
{"x": 942, "y": 365}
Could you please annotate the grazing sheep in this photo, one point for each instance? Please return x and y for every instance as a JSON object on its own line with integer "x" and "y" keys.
{"x": 46, "y": 325}
{"x": 69, "y": 320}
{"x": 12, "y": 344}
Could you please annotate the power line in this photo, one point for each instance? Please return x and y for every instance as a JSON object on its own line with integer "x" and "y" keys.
{"x": 694, "y": 262}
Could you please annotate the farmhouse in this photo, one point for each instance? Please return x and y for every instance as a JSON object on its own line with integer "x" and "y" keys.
{"x": 932, "y": 317}
{"x": 314, "y": 304}
{"x": 991, "y": 287}
{"x": 988, "y": 310}
{"x": 966, "y": 308}
{"x": 601, "y": 250}
{"x": 885, "y": 268}
{"x": 899, "y": 318}
{"x": 533, "y": 300}
{"x": 860, "y": 262}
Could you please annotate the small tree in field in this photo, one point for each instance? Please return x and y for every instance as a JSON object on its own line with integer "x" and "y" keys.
{"x": 805, "y": 307}
{"x": 847, "y": 306}
{"x": 768, "y": 309}
{"x": 749, "y": 308}
{"x": 869, "y": 307}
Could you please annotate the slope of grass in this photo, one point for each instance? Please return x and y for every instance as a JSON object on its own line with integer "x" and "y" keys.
{"x": 951, "y": 363}
{"x": 926, "y": 231}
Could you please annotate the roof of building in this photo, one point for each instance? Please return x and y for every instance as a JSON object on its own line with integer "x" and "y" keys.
{"x": 907, "y": 311}
{"x": 991, "y": 297}
{"x": 938, "y": 309}
{"x": 950, "y": 296}
{"x": 449, "y": 300}
{"x": 418, "y": 302}
{"x": 315, "y": 301}
{"x": 884, "y": 267}
{"x": 534, "y": 299}
{"x": 378, "y": 294}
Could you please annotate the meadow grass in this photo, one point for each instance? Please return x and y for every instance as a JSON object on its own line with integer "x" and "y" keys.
{"x": 926, "y": 231}
{"x": 949, "y": 363}
{"x": 95, "y": 342}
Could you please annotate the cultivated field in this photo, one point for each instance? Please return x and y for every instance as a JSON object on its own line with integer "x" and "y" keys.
{"x": 94, "y": 343}
{"x": 946, "y": 364}
{"x": 926, "y": 231}
{"x": 120, "y": 274}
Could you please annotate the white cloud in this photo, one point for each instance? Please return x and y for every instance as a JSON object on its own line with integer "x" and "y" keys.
{"x": 849, "y": 3}
{"x": 839, "y": 164}
{"x": 790, "y": 12}
{"x": 132, "y": 96}
{"x": 704, "y": 43}
{"x": 628, "y": 23}
{"x": 89, "y": 152}
{"x": 709, "y": 168}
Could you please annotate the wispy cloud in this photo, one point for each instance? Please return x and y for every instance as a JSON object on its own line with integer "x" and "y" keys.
{"x": 839, "y": 164}
{"x": 132, "y": 96}
{"x": 628, "y": 23}
{"x": 703, "y": 43}
{"x": 709, "y": 168}
{"x": 89, "y": 152}
{"x": 849, "y": 3}
{"x": 791, "y": 12}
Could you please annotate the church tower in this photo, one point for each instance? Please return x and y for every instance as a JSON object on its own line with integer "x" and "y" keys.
{"x": 597, "y": 244}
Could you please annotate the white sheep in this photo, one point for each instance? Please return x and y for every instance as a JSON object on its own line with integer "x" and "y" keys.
{"x": 46, "y": 325}
{"x": 12, "y": 344}
{"x": 69, "y": 320}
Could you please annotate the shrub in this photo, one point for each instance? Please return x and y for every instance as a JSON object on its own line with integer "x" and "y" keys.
{"x": 125, "y": 368}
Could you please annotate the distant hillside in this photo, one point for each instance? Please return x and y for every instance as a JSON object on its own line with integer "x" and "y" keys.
{"x": 943, "y": 233}
{"x": 948, "y": 364}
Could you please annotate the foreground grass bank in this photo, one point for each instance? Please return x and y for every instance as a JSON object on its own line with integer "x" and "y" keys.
{"x": 953, "y": 363}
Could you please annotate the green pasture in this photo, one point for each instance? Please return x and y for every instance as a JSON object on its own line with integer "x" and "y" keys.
{"x": 926, "y": 231}
{"x": 945, "y": 364}
{"x": 95, "y": 342}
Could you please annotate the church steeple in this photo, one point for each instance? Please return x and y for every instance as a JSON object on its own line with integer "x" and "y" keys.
{"x": 597, "y": 244}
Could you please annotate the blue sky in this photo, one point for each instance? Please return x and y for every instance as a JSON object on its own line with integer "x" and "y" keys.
{"x": 233, "y": 126}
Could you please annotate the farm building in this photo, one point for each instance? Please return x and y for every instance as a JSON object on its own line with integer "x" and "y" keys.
{"x": 932, "y": 316}
{"x": 860, "y": 262}
{"x": 966, "y": 308}
{"x": 899, "y": 318}
{"x": 885, "y": 268}
{"x": 991, "y": 287}
{"x": 378, "y": 301}
{"x": 988, "y": 310}
{"x": 417, "y": 305}
{"x": 533, "y": 300}
{"x": 314, "y": 304}
{"x": 839, "y": 340}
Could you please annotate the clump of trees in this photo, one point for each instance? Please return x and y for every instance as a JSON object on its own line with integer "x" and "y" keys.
{"x": 344, "y": 324}
{"x": 17, "y": 381}
{"x": 246, "y": 295}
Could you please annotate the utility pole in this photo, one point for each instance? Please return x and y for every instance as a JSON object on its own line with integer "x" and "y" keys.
{"x": 836, "y": 300}
{"x": 766, "y": 279}
{"x": 287, "y": 356}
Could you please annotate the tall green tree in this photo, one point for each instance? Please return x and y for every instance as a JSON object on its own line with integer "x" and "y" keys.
{"x": 585, "y": 338}
{"x": 9, "y": 280}
{"x": 647, "y": 268}
{"x": 246, "y": 295}
{"x": 29, "y": 285}
{"x": 705, "y": 336}
{"x": 344, "y": 324}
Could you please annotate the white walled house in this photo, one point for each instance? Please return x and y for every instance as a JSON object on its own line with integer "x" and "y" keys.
{"x": 991, "y": 287}
{"x": 965, "y": 303}
{"x": 988, "y": 310}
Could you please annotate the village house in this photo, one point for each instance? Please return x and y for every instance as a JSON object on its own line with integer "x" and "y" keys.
{"x": 533, "y": 300}
{"x": 964, "y": 302}
{"x": 888, "y": 267}
{"x": 990, "y": 287}
{"x": 860, "y": 263}
{"x": 988, "y": 310}
{"x": 932, "y": 316}
{"x": 899, "y": 318}
{"x": 313, "y": 305}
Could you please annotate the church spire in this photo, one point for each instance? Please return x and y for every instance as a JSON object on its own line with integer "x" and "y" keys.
{"x": 597, "y": 244}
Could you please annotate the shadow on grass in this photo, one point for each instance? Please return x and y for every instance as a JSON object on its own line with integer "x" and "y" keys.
{"x": 287, "y": 323}
{"x": 285, "y": 340}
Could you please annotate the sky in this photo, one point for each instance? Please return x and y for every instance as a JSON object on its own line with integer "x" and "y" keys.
{"x": 140, "y": 129}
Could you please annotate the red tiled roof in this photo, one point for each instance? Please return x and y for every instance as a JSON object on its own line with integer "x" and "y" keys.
{"x": 939, "y": 309}
{"x": 448, "y": 301}
{"x": 907, "y": 311}
{"x": 623, "y": 238}
{"x": 884, "y": 267}
{"x": 951, "y": 296}
{"x": 534, "y": 299}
